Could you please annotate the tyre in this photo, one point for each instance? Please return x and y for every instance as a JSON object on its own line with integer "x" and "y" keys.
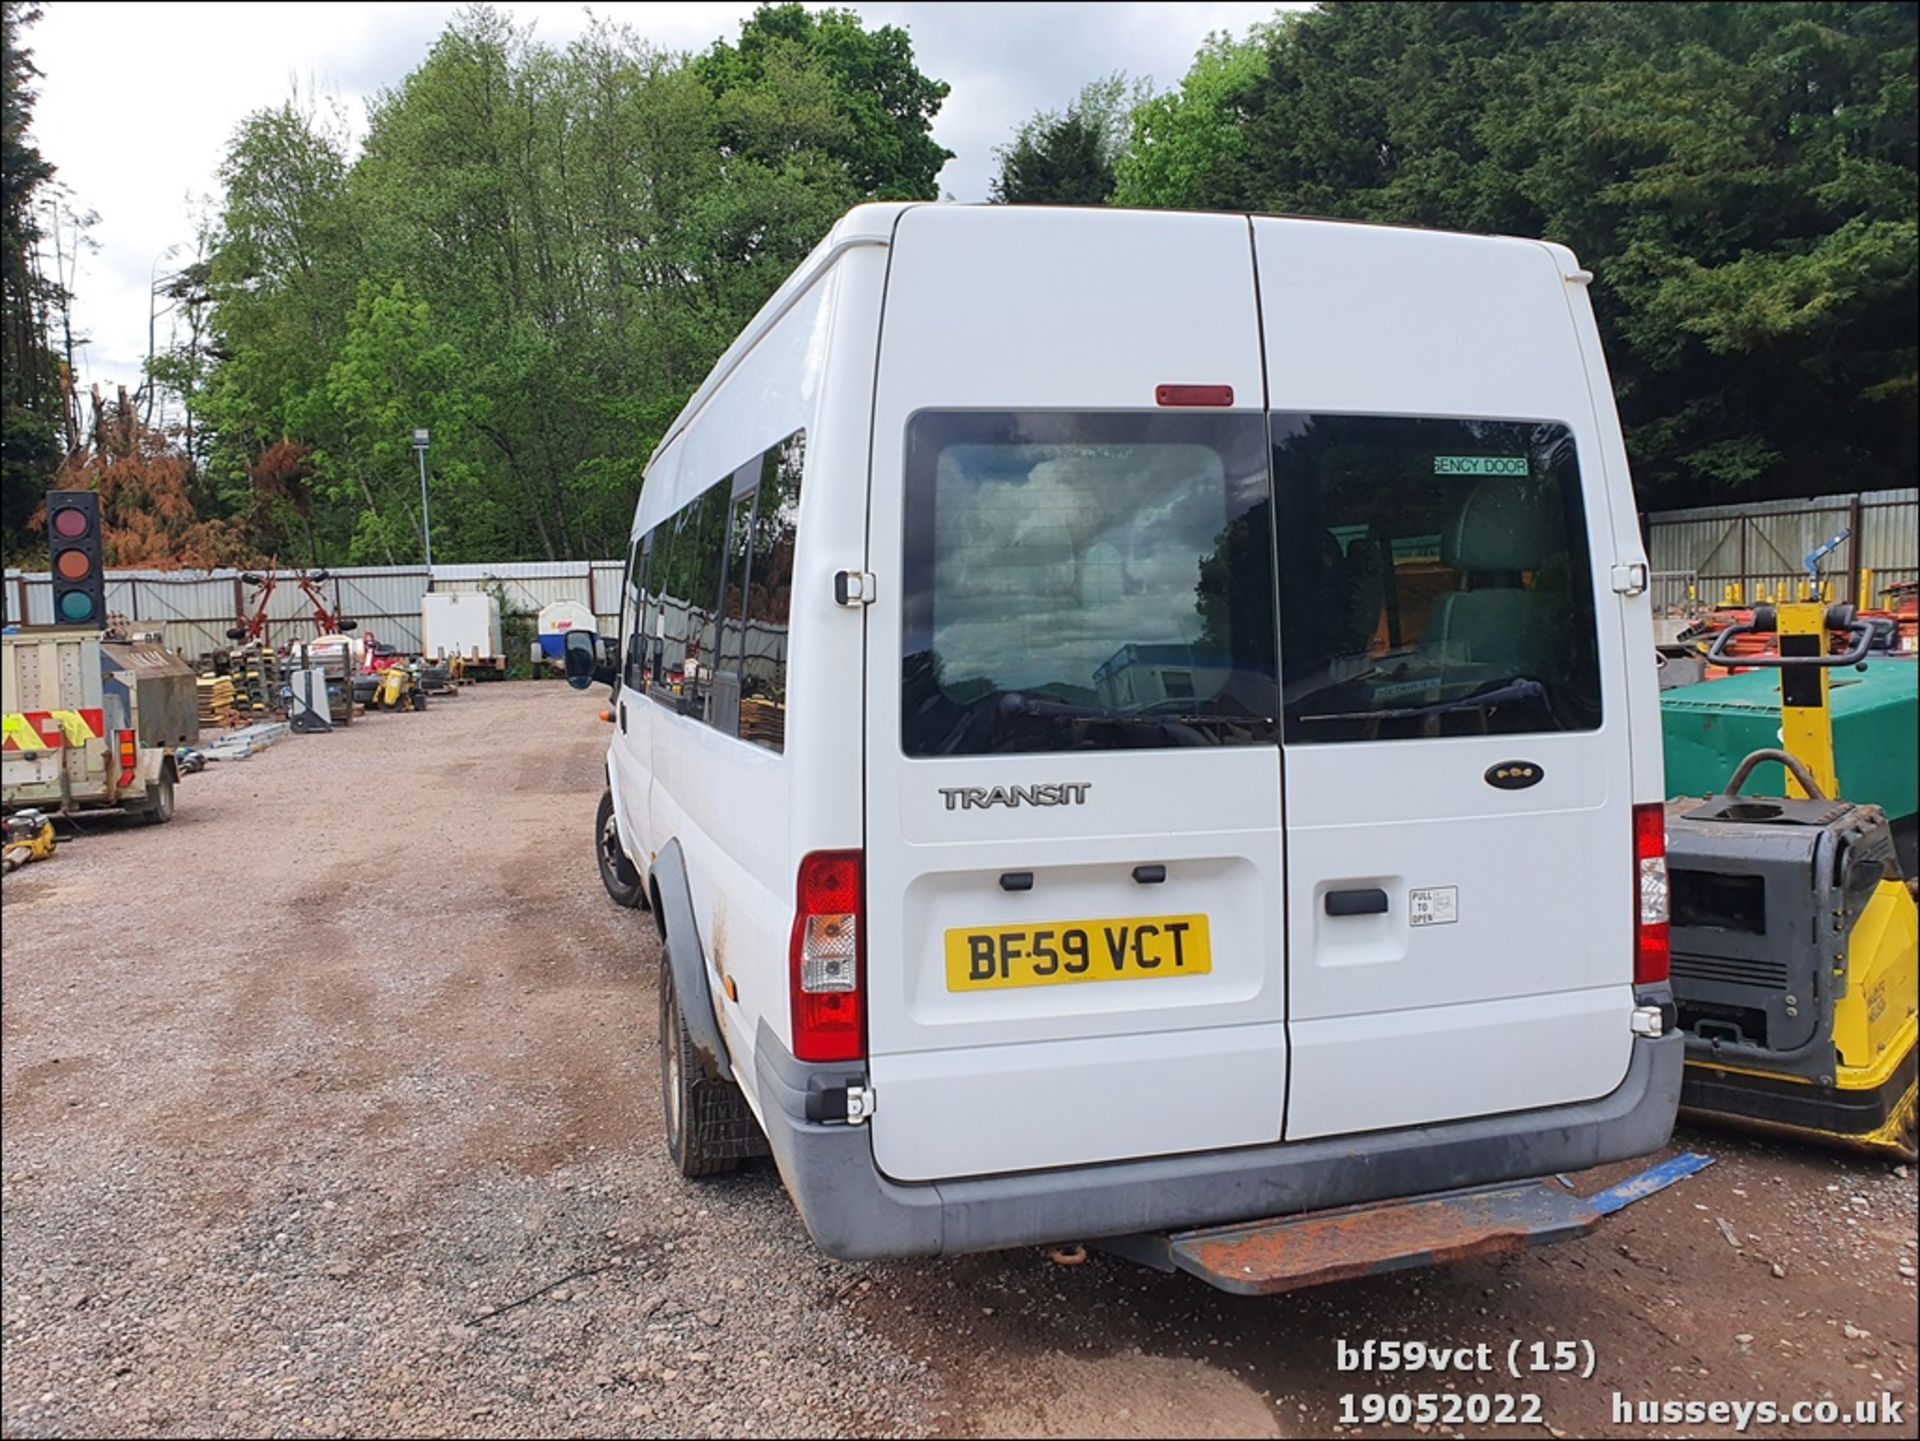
{"x": 708, "y": 1126}
{"x": 617, "y": 873}
{"x": 159, "y": 807}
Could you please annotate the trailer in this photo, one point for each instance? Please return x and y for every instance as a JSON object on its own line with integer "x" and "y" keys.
{"x": 91, "y": 724}
{"x": 463, "y": 625}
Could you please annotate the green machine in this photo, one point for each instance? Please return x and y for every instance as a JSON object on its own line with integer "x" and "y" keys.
{"x": 1710, "y": 727}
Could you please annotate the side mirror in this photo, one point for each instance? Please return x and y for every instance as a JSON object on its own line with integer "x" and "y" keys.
{"x": 583, "y": 661}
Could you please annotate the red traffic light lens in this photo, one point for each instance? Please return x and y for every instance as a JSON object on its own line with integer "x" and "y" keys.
{"x": 70, "y": 523}
{"x": 73, "y": 565}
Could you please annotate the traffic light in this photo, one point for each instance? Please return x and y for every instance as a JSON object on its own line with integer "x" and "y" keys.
{"x": 79, "y": 579}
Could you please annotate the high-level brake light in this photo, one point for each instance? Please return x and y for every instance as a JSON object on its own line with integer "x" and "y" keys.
{"x": 1212, "y": 395}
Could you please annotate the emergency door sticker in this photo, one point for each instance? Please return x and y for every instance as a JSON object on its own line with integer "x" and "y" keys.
{"x": 1434, "y": 905}
{"x": 1480, "y": 465}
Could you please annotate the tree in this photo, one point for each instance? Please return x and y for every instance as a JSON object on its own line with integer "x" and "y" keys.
{"x": 1069, "y": 158}
{"x": 1740, "y": 177}
{"x": 145, "y": 483}
{"x": 867, "y": 77}
{"x": 538, "y": 253}
{"x": 1187, "y": 147}
{"x": 394, "y": 374}
{"x": 30, "y": 389}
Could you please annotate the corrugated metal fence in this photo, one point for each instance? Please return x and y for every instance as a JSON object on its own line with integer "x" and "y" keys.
{"x": 194, "y": 608}
{"x": 1762, "y": 546}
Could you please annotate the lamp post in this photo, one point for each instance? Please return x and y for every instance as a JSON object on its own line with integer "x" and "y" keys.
{"x": 420, "y": 438}
{"x": 153, "y": 291}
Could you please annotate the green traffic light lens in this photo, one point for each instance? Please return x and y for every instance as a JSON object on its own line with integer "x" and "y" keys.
{"x": 76, "y": 606}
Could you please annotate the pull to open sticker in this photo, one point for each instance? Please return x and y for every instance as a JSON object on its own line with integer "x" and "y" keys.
{"x": 1480, "y": 465}
{"x": 1434, "y": 906}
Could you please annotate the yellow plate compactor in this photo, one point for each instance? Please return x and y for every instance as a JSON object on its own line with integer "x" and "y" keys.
{"x": 1795, "y": 943}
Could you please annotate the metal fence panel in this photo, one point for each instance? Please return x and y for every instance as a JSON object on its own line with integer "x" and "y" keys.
{"x": 1888, "y": 528}
{"x": 527, "y": 587}
{"x": 1762, "y": 546}
{"x": 194, "y": 609}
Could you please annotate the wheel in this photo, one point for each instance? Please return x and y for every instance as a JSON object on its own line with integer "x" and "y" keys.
{"x": 708, "y": 1125}
{"x": 159, "y": 807}
{"x": 617, "y": 873}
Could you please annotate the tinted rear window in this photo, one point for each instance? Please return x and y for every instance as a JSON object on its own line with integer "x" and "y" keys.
{"x": 1434, "y": 578}
{"x": 1086, "y": 581}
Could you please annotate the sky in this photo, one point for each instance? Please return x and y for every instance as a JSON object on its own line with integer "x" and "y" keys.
{"x": 137, "y": 101}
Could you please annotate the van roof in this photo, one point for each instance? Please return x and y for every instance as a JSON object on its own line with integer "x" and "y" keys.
{"x": 870, "y": 224}
{"x": 873, "y": 224}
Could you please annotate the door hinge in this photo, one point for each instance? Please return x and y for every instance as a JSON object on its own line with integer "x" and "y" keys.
{"x": 1647, "y": 1021}
{"x": 853, "y": 587}
{"x": 1630, "y": 579}
{"x": 859, "y": 1104}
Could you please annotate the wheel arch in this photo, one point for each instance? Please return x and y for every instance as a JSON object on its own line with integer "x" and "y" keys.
{"x": 673, "y": 913}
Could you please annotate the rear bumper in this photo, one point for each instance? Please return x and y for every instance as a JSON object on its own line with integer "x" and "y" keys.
{"x": 855, "y": 1213}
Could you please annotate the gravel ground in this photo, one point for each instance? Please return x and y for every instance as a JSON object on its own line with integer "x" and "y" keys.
{"x": 331, "y": 1107}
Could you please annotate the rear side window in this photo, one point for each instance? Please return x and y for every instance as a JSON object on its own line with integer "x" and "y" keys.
{"x": 633, "y": 661}
{"x": 1434, "y": 579}
{"x": 723, "y": 709}
{"x": 655, "y": 608}
{"x": 1086, "y": 581}
{"x": 699, "y": 555}
{"x": 763, "y": 667}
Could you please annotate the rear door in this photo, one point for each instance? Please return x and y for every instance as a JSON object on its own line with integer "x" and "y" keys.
{"x": 1073, "y": 839}
{"x": 1455, "y": 749}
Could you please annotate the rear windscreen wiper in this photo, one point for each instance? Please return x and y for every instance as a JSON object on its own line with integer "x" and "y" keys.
{"x": 1518, "y": 689}
{"x": 1179, "y": 726}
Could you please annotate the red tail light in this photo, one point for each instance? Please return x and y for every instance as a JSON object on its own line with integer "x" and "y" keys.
{"x": 1653, "y": 948}
{"x": 129, "y": 757}
{"x": 826, "y": 958}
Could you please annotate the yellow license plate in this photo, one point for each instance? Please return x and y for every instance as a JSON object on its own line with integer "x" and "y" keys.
{"x": 1136, "y": 948}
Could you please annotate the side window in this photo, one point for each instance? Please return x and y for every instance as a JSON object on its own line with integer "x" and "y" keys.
{"x": 724, "y": 711}
{"x": 663, "y": 613}
{"x": 634, "y": 623}
{"x": 769, "y": 594}
{"x": 699, "y": 552}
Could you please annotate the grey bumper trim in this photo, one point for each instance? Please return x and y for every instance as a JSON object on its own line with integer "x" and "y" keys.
{"x": 855, "y": 1213}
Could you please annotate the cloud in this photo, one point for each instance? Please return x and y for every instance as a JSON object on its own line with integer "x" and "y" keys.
{"x": 138, "y": 101}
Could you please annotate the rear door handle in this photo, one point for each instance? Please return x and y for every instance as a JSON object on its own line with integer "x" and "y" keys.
{"x": 1368, "y": 901}
{"x": 623, "y": 717}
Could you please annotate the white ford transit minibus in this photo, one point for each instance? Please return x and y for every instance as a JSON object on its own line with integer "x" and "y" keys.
{"x": 1132, "y": 720}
